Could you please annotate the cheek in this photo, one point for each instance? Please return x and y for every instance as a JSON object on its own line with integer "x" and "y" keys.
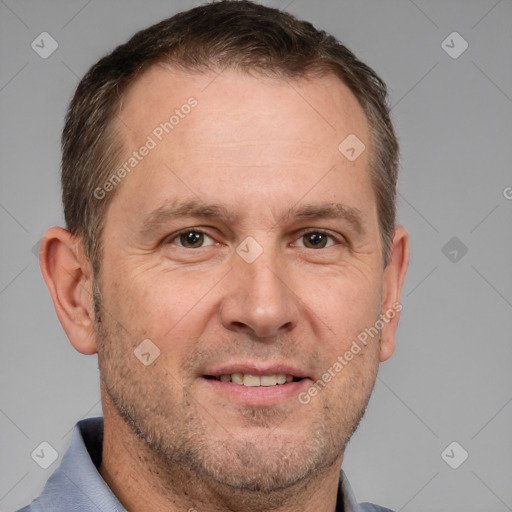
{"x": 348, "y": 307}
{"x": 164, "y": 306}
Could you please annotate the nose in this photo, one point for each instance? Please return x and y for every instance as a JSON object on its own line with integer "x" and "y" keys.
{"x": 259, "y": 300}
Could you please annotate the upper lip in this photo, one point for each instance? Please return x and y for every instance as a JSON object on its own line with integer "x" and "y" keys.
{"x": 257, "y": 369}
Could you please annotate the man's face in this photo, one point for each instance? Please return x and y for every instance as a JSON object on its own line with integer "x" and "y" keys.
{"x": 254, "y": 158}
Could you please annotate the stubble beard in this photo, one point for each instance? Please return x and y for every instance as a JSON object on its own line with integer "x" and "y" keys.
{"x": 183, "y": 448}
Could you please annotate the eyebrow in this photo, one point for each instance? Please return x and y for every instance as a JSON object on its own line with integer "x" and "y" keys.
{"x": 335, "y": 211}
{"x": 173, "y": 209}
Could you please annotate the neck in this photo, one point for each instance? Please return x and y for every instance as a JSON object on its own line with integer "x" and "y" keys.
{"x": 142, "y": 481}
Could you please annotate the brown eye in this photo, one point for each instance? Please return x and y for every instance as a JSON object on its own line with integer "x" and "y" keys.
{"x": 316, "y": 240}
{"x": 191, "y": 239}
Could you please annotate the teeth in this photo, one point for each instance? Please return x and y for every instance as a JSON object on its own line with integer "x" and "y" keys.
{"x": 237, "y": 378}
{"x": 268, "y": 380}
{"x": 246, "y": 379}
{"x": 251, "y": 380}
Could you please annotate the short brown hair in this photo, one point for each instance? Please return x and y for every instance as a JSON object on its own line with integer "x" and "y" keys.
{"x": 227, "y": 34}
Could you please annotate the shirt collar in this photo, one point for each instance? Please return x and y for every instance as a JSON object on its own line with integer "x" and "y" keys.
{"x": 77, "y": 484}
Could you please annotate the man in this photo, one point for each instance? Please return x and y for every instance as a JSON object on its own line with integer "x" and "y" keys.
{"x": 231, "y": 254}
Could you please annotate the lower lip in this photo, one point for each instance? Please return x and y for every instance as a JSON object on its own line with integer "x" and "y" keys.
{"x": 260, "y": 396}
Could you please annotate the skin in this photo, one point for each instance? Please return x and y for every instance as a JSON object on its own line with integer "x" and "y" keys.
{"x": 260, "y": 147}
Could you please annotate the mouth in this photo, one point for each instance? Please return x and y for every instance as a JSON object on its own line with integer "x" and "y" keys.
{"x": 254, "y": 386}
{"x": 254, "y": 381}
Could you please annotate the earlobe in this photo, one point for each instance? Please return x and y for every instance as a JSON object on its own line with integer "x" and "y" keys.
{"x": 394, "y": 276}
{"x": 68, "y": 276}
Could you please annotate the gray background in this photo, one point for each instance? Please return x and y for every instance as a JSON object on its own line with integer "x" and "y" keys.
{"x": 450, "y": 377}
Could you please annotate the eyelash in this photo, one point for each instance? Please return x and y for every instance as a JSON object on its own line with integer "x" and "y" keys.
{"x": 340, "y": 240}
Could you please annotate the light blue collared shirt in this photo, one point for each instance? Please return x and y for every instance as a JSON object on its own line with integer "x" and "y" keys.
{"x": 77, "y": 486}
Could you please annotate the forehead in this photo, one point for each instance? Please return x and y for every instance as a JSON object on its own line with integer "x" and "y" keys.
{"x": 322, "y": 106}
{"x": 246, "y": 137}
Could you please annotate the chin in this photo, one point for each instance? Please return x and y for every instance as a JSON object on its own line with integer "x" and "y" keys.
{"x": 266, "y": 463}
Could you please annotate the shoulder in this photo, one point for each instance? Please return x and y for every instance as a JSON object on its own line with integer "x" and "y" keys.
{"x": 35, "y": 506}
{"x": 76, "y": 484}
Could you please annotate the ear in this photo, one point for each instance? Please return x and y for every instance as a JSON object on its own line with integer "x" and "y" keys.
{"x": 393, "y": 281}
{"x": 68, "y": 275}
